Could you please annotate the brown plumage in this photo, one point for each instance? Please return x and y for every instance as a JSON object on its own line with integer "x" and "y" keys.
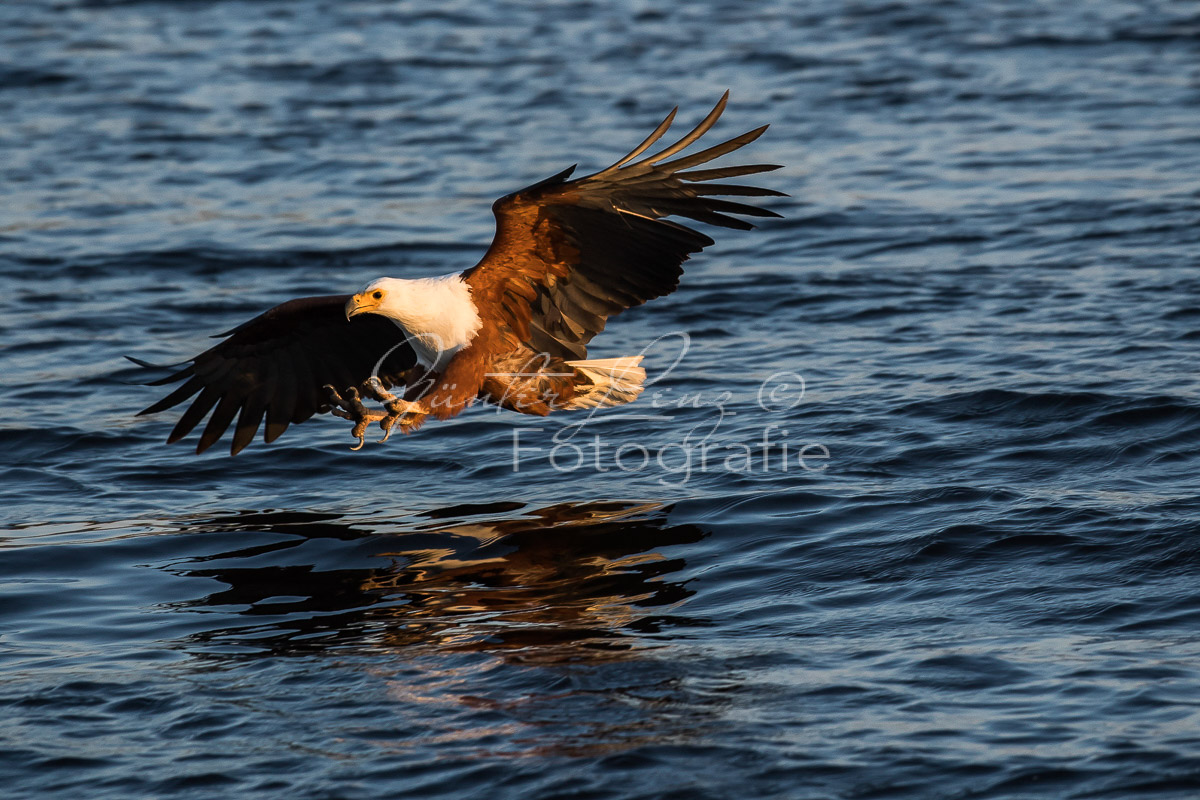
{"x": 567, "y": 255}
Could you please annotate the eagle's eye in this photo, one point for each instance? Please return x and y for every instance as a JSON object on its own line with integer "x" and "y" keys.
{"x": 378, "y": 295}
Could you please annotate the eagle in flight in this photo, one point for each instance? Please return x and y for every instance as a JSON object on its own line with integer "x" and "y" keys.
{"x": 512, "y": 330}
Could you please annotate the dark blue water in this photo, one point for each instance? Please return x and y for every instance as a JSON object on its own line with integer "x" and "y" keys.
{"x": 987, "y": 280}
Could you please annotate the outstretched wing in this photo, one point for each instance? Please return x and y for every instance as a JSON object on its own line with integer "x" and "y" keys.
{"x": 569, "y": 254}
{"x": 275, "y": 365}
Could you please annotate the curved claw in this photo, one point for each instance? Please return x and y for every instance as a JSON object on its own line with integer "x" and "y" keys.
{"x": 361, "y": 441}
{"x": 388, "y": 423}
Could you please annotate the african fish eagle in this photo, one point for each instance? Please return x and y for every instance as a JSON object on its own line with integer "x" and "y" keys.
{"x": 512, "y": 330}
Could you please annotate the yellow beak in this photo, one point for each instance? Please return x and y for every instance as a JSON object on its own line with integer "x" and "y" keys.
{"x": 359, "y": 304}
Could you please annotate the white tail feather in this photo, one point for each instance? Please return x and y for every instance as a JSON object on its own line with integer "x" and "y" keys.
{"x": 615, "y": 381}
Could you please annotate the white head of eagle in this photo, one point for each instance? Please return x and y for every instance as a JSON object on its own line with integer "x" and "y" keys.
{"x": 437, "y": 313}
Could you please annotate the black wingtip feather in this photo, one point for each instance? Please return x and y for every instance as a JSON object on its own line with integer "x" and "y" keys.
{"x": 692, "y": 135}
{"x": 247, "y": 425}
{"x": 716, "y": 151}
{"x": 151, "y": 365}
{"x": 717, "y": 173}
{"x": 180, "y": 394}
{"x": 730, "y": 207}
{"x": 218, "y": 423}
{"x": 195, "y": 412}
{"x": 731, "y": 189}
{"x": 172, "y": 378}
{"x": 654, "y": 136}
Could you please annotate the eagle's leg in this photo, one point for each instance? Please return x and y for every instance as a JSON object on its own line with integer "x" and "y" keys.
{"x": 408, "y": 414}
{"x": 351, "y": 407}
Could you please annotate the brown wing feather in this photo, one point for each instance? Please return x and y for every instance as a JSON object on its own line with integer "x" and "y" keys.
{"x": 568, "y": 254}
{"x": 275, "y": 365}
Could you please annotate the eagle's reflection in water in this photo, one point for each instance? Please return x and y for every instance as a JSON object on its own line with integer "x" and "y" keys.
{"x": 567, "y": 582}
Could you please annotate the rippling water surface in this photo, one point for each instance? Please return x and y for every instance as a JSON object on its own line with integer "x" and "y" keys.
{"x": 986, "y": 278}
